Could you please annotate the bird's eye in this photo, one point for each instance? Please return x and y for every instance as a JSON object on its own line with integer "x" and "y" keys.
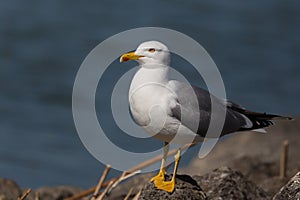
{"x": 152, "y": 50}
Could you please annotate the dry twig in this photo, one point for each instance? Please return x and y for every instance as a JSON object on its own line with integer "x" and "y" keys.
{"x": 25, "y": 194}
{"x": 284, "y": 159}
{"x": 128, "y": 194}
{"x": 101, "y": 180}
{"x": 136, "y": 197}
{"x": 133, "y": 169}
{"x": 123, "y": 177}
{"x": 37, "y": 196}
{"x": 102, "y": 195}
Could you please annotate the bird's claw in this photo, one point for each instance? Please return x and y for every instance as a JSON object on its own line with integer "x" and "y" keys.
{"x": 167, "y": 186}
{"x": 160, "y": 177}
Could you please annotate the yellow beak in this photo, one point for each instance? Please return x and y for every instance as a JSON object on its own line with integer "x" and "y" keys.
{"x": 129, "y": 56}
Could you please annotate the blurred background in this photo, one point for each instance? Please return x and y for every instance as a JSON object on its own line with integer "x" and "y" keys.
{"x": 255, "y": 44}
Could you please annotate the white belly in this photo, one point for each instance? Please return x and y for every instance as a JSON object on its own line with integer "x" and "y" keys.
{"x": 151, "y": 102}
{"x": 148, "y": 103}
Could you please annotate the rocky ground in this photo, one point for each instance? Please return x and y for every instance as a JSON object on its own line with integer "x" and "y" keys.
{"x": 251, "y": 172}
{"x": 256, "y": 155}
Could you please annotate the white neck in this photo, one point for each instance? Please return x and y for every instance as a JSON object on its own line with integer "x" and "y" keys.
{"x": 147, "y": 75}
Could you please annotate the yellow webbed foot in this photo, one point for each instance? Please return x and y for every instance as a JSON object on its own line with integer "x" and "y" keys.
{"x": 168, "y": 186}
{"x": 160, "y": 177}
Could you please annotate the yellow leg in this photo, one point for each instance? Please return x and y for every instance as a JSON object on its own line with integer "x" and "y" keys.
{"x": 160, "y": 177}
{"x": 169, "y": 186}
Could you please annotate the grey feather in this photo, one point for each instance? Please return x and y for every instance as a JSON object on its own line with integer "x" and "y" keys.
{"x": 237, "y": 118}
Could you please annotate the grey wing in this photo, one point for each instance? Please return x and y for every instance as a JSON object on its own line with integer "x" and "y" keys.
{"x": 193, "y": 109}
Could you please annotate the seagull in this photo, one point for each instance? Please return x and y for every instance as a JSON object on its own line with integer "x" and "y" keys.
{"x": 158, "y": 104}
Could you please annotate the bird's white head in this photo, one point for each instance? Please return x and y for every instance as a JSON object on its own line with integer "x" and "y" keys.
{"x": 150, "y": 52}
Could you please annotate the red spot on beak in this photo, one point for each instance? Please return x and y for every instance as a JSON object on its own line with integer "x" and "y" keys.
{"x": 125, "y": 59}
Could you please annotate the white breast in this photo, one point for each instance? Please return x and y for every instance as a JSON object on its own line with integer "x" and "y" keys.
{"x": 150, "y": 100}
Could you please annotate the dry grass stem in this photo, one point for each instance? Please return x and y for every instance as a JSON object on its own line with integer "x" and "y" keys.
{"x": 102, "y": 195}
{"x": 37, "y": 196}
{"x": 136, "y": 197}
{"x": 25, "y": 194}
{"x": 128, "y": 194}
{"x": 130, "y": 171}
{"x": 284, "y": 159}
{"x": 123, "y": 177}
{"x": 101, "y": 180}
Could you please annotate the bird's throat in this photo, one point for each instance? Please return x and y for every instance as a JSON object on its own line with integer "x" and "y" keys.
{"x": 150, "y": 76}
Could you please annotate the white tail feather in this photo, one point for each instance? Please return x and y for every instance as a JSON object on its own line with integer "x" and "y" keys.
{"x": 260, "y": 130}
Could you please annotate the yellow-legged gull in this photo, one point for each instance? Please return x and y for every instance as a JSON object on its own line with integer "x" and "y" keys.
{"x": 157, "y": 104}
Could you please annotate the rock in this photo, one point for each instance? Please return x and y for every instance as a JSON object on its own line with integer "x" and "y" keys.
{"x": 256, "y": 168}
{"x": 57, "y": 193}
{"x": 224, "y": 183}
{"x": 273, "y": 184}
{"x": 186, "y": 189}
{"x": 9, "y": 190}
{"x": 256, "y": 155}
{"x": 291, "y": 191}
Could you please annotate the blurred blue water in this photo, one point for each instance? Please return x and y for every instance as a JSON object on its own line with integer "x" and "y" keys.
{"x": 255, "y": 44}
